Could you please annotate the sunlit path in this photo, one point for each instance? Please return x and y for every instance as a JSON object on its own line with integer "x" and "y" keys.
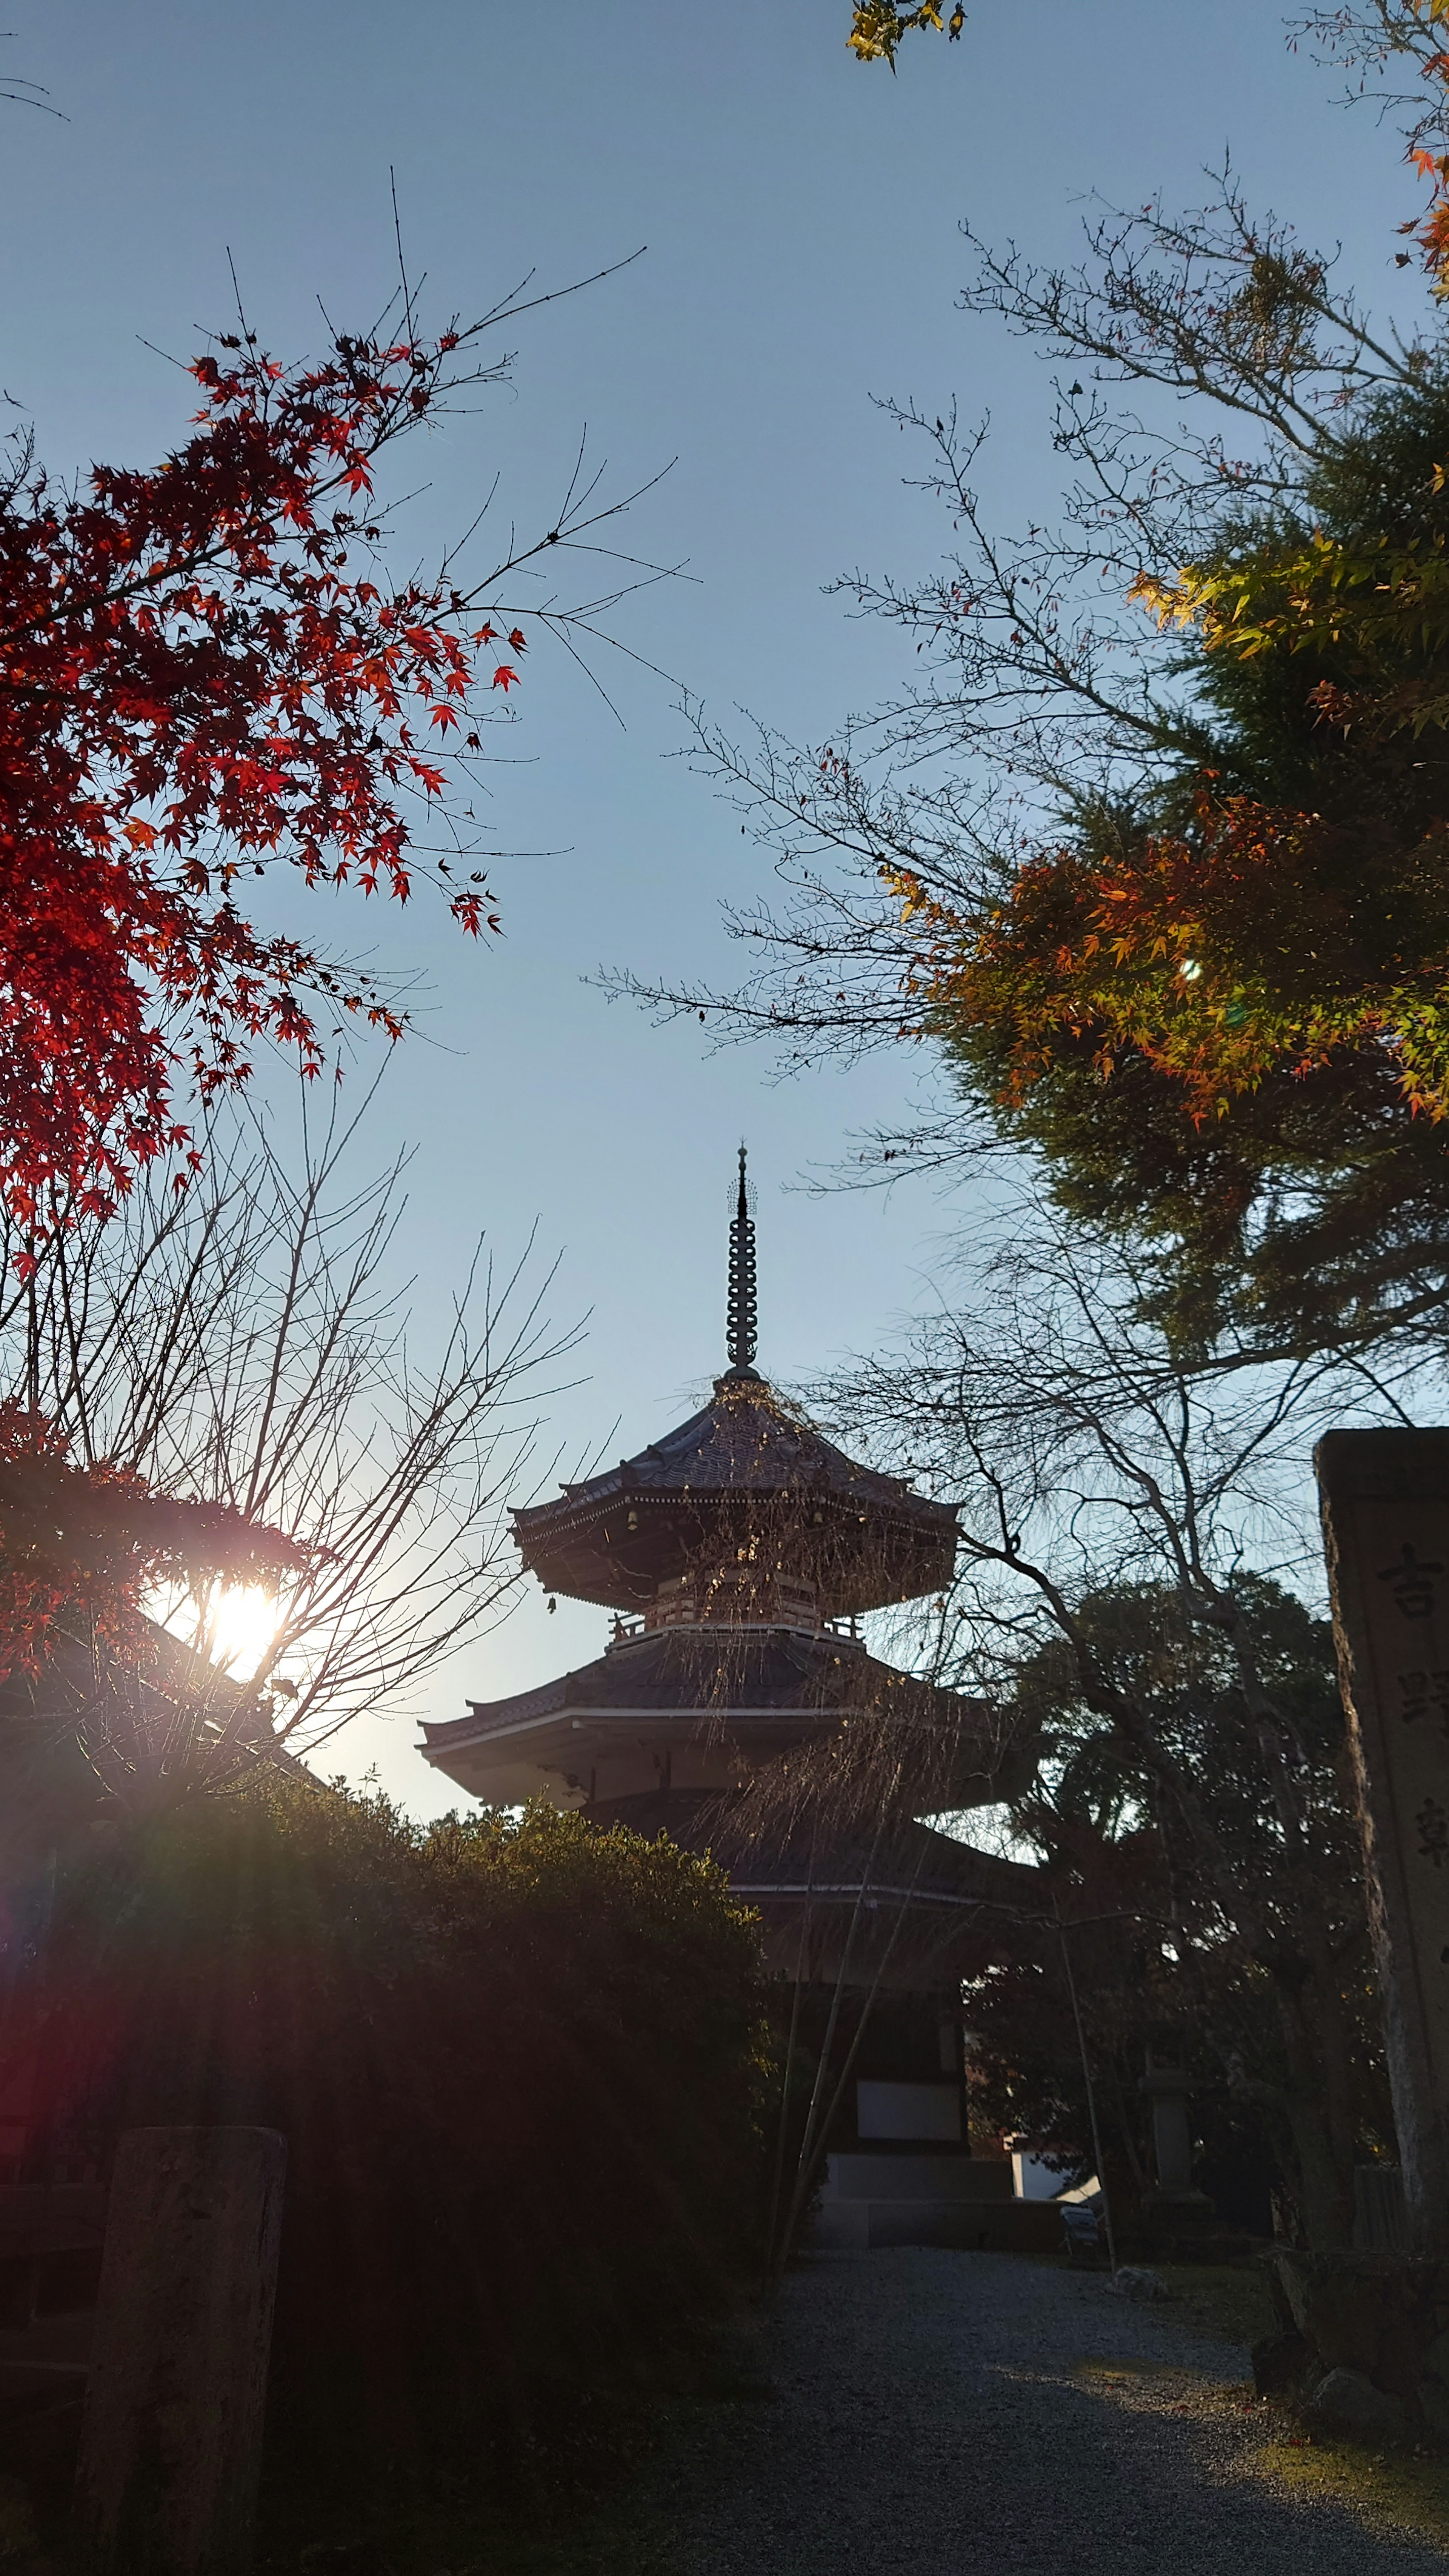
{"x": 945, "y": 2414}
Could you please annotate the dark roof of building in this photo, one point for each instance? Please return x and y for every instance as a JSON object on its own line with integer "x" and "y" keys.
{"x": 70, "y": 1734}
{"x": 746, "y": 1464}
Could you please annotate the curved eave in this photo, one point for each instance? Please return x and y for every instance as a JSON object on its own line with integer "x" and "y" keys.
{"x": 737, "y": 1694}
{"x": 862, "y": 1557}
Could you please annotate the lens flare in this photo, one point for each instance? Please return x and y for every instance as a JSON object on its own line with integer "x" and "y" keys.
{"x": 244, "y": 1623}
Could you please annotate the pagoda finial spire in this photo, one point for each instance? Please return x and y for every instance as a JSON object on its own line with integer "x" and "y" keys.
{"x": 742, "y": 1316}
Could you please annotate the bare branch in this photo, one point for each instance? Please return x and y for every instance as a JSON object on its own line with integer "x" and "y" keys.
{"x": 247, "y": 1342}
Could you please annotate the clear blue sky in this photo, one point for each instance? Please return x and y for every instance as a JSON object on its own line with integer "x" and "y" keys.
{"x": 800, "y": 214}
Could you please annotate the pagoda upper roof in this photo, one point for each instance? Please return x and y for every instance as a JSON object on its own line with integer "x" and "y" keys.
{"x": 747, "y": 1465}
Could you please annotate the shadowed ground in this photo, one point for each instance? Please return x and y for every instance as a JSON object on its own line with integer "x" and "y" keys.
{"x": 947, "y": 2414}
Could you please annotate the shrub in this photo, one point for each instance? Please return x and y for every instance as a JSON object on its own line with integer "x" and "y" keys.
{"x": 517, "y": 2062}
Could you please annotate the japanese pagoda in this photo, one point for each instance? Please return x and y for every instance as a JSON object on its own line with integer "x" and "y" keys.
{"x": 737, "y": 1554}
{"x": 735, "y": 1694}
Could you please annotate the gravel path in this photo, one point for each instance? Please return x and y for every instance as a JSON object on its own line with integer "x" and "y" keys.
{"x": 947, "y": 2414}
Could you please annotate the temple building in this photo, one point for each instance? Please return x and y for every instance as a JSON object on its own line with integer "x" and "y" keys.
{"x": 736, "y": 1707}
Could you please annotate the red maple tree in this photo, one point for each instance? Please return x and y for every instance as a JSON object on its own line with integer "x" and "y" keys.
{"x": 87, "y": 1544}
{"x": 203, "y": 672}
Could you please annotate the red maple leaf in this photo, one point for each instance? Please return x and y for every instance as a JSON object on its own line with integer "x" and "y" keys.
{"x": 89, "y": 1540}
{"x": 196, "y": 687}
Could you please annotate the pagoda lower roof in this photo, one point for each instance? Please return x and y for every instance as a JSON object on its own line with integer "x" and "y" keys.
{"x": 911, "y": 1861}
{"x": 907, "y": 1906}
{"x": 762, "y": 1690}
{"x": 747, "y": 1466}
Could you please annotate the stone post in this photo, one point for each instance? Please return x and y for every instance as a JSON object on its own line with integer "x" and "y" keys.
{"x": 1168, "y": 2088}
{"x": 172, "y": 2430}
{"x": 1385, "y": 1501}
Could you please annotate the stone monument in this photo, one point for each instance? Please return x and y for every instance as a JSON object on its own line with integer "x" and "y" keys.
{"x": 1385, "y": 1498}
{"x": 1167, "y": 2088}
{"x": 171, "y": 2439}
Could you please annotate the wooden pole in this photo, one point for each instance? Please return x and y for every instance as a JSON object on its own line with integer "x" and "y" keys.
{"x": 778, "y": 2178}
{"x": 1091, "y": 2097}
{"x": 172, "y": 2432}
{"x": 1385, "y": 1498}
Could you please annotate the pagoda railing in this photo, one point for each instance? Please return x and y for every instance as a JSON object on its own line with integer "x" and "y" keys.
{"x": 625, "y": 1631}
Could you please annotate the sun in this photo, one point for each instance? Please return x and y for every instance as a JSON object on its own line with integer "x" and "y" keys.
{"x": 244, "y": 1623}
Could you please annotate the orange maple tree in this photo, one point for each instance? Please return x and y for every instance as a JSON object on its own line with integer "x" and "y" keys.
{"x": 1264, "y": 935}
{"x": 1170, "y": 892}
{"x": 202, "y": 672}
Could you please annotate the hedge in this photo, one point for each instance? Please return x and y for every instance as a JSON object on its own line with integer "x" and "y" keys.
{"x": 519, "y": 2065}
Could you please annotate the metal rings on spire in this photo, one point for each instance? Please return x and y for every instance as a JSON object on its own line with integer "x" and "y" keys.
{"x": 743, "y": 1320}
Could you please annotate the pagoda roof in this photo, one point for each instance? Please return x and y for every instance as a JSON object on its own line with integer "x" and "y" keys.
{"x": 765, "y": 1690}
{"x": 701, "y": 1669}
{"x": 904, "y": 1902}
{"x": 908, "y": 1859}
{"x": 747, "y": 1462}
